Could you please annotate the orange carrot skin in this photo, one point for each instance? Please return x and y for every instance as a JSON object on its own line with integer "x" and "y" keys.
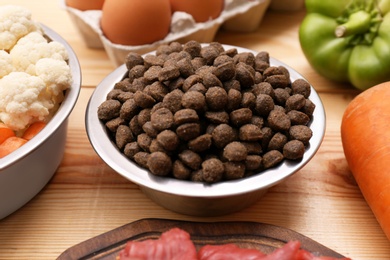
{"x": 5, "y": 132}
{"x": 365, "y": 136}
{"x": 33, "y": 130}
{"x": 11, "y": 144}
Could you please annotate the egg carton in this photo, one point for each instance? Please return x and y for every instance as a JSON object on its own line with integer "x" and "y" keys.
{"x": 238, "y": 16}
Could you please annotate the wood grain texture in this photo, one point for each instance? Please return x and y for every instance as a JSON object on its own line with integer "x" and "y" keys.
{"x": 86, "y": 198}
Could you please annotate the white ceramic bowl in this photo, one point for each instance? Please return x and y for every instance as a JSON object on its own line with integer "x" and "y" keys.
{"x": 27, "y": 170}
{"x": 187, "y": 197}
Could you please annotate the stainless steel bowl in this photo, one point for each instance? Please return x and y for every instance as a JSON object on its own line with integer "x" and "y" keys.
{"x": 187, "y": 197}
{"x": 27, "y": 170}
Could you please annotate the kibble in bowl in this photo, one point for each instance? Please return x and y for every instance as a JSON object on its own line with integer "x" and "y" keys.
{"x": 205, "y": 129}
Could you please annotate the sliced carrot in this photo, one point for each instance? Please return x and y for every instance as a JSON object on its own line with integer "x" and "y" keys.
{"x": 33, "y": 130}
{"x": 11, "y": 144}
{"x": 5, "y": 132}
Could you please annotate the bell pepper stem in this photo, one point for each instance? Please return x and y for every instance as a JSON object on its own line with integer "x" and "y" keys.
{"x": 358, "y": 22}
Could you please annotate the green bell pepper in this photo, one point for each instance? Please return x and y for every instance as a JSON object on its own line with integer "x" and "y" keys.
{"x": 348, "y": 40}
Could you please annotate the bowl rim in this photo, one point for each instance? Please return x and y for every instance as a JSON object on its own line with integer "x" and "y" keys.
{"x": 115, "y": 159}
{"x": 63, "y": 111}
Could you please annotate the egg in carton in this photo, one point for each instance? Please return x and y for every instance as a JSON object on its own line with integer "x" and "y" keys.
{"x": 237, "y": 15}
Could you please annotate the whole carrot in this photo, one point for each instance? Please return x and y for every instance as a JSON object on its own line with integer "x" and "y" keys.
{"x": 365, "y": 136}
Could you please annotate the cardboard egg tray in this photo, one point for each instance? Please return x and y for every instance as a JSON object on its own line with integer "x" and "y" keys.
{"x": 238, "y": 15}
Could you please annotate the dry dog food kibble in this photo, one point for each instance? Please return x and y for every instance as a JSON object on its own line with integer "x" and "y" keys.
{"x": 207, "y": 114}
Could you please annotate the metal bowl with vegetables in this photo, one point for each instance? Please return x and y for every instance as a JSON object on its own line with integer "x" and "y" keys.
{"x": 214, "y": 143}
{"x": 37, "y": 94}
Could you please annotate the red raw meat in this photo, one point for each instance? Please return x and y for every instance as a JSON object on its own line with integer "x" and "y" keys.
{"x": 175, "y": 244}
{"x": 228, "y": 252}
{"x": 290, "y": 251}
{"x": 233, "y": 252}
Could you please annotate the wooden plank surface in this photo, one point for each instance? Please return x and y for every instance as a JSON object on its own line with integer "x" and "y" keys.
{"x": 86, "y": 198}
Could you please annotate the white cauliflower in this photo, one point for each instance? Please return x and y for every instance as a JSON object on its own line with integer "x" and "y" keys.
{"x": 33, "y": 47}
{"x": 15, "y": 22}
{"x": 23, "y": 100}
{"x": 33, "y": 71}
{"x": 6, "y": 66}
{"x": 56, "y": 75}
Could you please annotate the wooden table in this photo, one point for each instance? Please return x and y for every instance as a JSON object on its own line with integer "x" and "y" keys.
{"x": 86, "y": 198}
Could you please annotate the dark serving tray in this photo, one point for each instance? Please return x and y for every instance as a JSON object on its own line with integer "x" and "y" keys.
{"x": 264, "y": 237}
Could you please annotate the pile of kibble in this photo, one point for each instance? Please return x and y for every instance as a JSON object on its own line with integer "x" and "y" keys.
{"x": 207, "y": 114}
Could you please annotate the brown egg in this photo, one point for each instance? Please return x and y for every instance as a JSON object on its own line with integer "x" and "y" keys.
{"x": 135, "y": 22}
{"x": 84, "y": 5}
{"x": 201, "y": 10}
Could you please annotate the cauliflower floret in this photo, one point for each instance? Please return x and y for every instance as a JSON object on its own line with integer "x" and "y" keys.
{"x": 6, "y": 66}
{"x": 33, "y": 71}
{"x": 56, "y": 75}
{"x": 15, "y": 22}
{"x": 23, "y": 100}
{"x": 33, "y": 47}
